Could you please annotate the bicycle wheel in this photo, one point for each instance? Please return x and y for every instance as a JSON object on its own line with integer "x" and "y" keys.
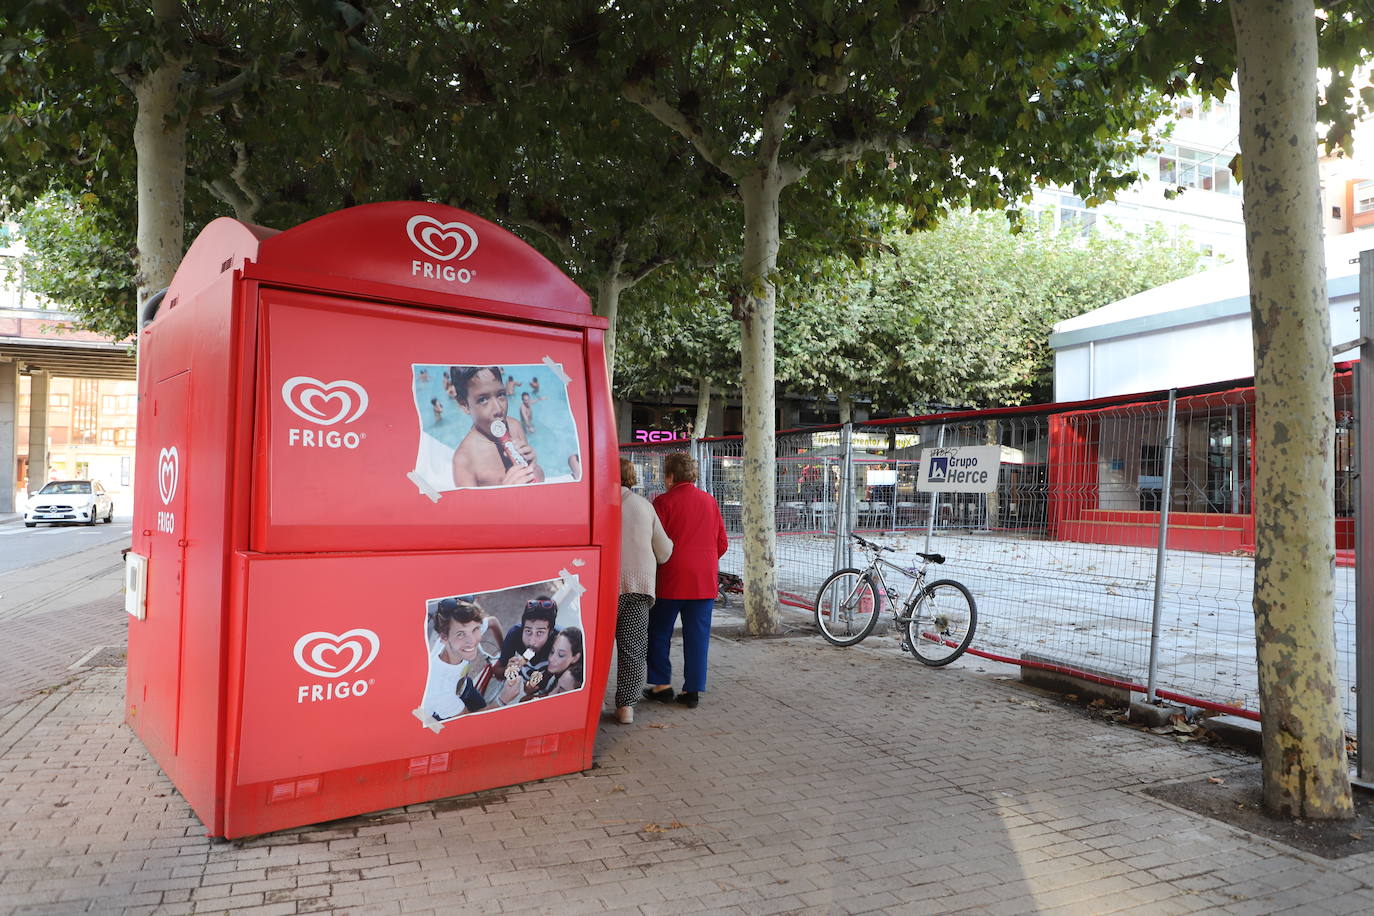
{"x": 847, "y": 607}
{"x": 942, "y": 625}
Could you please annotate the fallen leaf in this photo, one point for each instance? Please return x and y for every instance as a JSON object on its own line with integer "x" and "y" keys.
{"x": 1357, "y": 836}
{"x": 1216, "y": 780}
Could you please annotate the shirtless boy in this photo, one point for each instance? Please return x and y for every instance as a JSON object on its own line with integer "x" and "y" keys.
{"x": 527, "y": 410}
{"x": 480, "y": 460}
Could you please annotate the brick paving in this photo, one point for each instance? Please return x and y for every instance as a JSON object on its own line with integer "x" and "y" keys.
{"x": 811, "y": 780}
{"x": 40, "y": 649}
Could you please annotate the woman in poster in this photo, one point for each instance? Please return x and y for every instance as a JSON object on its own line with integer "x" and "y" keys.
{"x": 565, "y": 670}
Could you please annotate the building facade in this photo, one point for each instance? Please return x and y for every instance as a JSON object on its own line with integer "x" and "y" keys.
{"x": 90, "y": 433}
{"x": 1186, "y": 186}
{"x": 67, "y": 397}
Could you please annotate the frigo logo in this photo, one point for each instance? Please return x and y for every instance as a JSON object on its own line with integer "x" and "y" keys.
{"x": 168, "y": 476}
{"x": 441, "y": 242}
{"x": 335, "y": 403}
{"x": 333, "y": 657}
{"x": 168, "y": 472}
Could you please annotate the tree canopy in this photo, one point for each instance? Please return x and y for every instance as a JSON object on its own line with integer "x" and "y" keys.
{"x": 958, "y": 314}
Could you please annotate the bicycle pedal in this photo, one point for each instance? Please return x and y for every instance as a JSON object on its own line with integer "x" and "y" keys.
{"x": 906, "y": 645}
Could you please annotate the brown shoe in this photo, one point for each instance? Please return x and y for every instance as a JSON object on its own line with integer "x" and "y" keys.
{"x": 625, "y": 714}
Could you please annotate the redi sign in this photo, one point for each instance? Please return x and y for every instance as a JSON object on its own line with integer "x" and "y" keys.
{"x": 376, "y": 453}
{"x": 965, "y": 469}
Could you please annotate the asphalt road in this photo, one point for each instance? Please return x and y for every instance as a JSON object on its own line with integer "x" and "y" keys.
{"x": 21, "y": 547}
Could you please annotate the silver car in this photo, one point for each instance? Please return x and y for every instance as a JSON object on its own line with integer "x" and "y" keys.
{"x": 70, "y": 501}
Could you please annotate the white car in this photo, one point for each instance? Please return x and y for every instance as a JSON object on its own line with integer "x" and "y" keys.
{"x": 70, "y": 501}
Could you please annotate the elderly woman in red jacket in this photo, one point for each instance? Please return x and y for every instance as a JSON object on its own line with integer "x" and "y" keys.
{"x": 687, "y": 583}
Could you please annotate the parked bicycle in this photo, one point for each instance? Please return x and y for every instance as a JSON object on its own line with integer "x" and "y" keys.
{"x": 939, "y": 617}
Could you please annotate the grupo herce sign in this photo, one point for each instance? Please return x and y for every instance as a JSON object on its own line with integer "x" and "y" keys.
{"x": 964, "y": 469}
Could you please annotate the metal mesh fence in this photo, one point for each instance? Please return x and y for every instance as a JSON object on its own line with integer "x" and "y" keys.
{"x": 1062, "y": 557}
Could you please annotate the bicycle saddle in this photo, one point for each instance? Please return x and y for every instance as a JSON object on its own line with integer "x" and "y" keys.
{"x": 931, "y": 557}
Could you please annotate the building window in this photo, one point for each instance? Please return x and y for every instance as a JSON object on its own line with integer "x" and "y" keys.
{"x": 1364, "y": 196}
{"x": 117, "y": 403}
{"x": 1074, "y": 214}
{"x": 61, "y": 400}
{"x": 1206, "y": 110}
{"x": 1069, "y": 213}
{"x": 83, "y": 413}
{"x": 1194, "y": 168}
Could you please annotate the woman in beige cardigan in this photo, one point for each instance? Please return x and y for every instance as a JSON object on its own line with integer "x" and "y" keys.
{"x": 643, "y": 546}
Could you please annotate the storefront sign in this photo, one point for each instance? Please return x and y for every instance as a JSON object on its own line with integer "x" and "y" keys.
{"x": 967, "y": 469}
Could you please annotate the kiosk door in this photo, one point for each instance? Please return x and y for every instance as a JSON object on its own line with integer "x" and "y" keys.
{"x": 157, "y": 684}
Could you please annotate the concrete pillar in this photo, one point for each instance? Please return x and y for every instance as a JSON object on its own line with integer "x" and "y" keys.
{"x": 38, "y": 429}
{"x": 9, "y": 448}
{"x": 789, "y": 413}
{"x": 624, "y": 430}
{"x": 715, "y": 421}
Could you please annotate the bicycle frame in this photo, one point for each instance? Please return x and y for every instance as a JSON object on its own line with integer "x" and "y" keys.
{"x": 918, "y": 575}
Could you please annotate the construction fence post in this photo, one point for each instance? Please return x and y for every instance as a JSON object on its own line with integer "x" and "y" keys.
{"x": 1162, "y": 548}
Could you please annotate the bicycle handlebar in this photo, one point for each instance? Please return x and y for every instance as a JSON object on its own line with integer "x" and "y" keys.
{"x": 870, "y": 545}
{"x": 928, "y": 557}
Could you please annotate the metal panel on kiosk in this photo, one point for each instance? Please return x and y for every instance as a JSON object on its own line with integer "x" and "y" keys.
{"x": 157, "y": 700}
{"x": 349, "y": 670}
{"x": 364, "y": 433}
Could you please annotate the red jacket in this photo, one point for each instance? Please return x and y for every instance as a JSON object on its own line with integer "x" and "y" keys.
{"x": 692, "y": 519}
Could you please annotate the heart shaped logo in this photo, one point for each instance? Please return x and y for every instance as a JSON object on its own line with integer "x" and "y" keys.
{"x": 325, "y": 403}
{"x": 442, "y": 241}
{"x": 168, "y": 470}
{"x": 326, "y": 655}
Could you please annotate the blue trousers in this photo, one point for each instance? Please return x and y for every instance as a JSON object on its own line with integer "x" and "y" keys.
{"x": 696, "y": 639}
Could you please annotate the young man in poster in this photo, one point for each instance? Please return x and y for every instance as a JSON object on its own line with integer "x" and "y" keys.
{"x": 495, "y": 452}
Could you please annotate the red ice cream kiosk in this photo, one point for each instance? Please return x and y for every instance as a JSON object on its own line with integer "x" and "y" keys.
{"x": 376, "y": 522}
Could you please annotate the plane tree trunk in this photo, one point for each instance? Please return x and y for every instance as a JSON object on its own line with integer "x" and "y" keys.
{"x": 1304, "y": 759}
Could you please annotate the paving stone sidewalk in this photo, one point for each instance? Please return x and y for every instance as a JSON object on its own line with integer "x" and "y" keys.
{"x": 811, "y": 780}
